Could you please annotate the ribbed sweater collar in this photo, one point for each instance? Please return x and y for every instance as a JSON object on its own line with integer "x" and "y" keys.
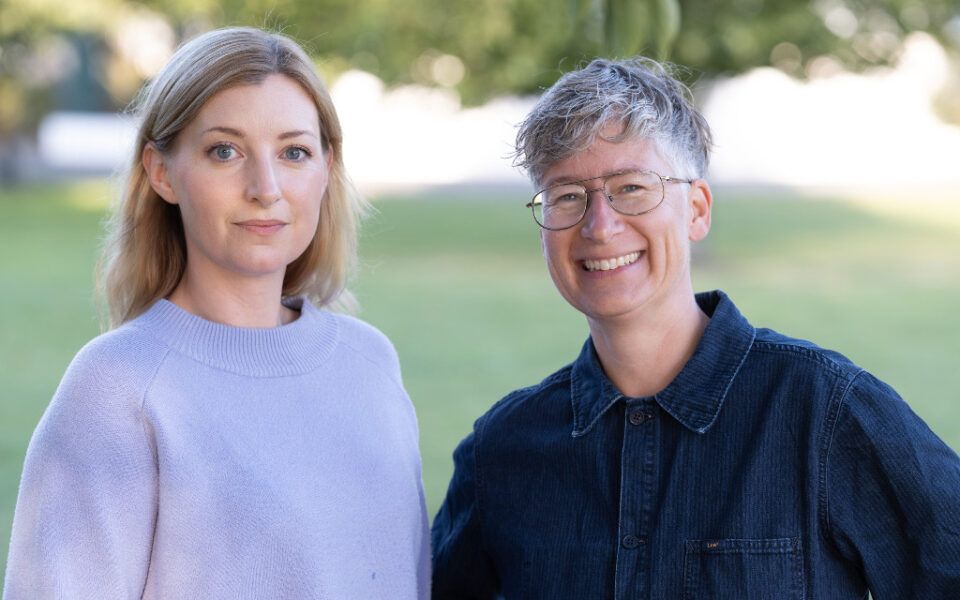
{"x": 297, "y": 347}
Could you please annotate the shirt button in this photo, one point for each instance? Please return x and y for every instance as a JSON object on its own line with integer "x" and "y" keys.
{"x": 639, "y": 417}
{"x": 631, "y": 541}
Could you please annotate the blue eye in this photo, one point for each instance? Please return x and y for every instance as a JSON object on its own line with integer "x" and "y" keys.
{"x": 222, "y": 152}
{"x": 296, "y": 153}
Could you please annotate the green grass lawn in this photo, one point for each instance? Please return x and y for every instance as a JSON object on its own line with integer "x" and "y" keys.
{"x": 458, "y": 284}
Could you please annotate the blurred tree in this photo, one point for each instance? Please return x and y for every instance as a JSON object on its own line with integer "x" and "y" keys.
{"x": 482, "y": 48}
{"x": 51, "y": 54}
{"x": 490, "y": 47}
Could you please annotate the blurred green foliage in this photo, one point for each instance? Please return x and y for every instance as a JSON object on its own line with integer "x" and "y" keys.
{"x": 482, "y": 48}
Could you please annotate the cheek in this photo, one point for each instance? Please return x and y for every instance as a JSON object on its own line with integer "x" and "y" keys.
{"x": 676, "y": 255}
{"x": 188, "y": 215}
{"x": 310, "y": 214}
{"x": 555, "y": 246}
{"x": 549, "y": 245}
{"x": 313, "y": 222}
{"x": 195, "y": 194}
{"x": 308, "y": 192}
{"x": 198, "y": 214}
{"x": 311, "y": 207}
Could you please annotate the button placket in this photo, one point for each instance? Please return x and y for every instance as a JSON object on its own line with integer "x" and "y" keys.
{"x": 639, "y": 416}
{"x": 637, "y": 488}
{"x": 631, "y": 541}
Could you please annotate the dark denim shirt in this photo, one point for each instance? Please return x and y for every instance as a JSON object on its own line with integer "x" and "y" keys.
{"x": 768, "y": 469}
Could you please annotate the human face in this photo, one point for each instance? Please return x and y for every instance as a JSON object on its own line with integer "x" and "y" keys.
{"x": 248, "y": 174}
{"x": 612, "y": 266}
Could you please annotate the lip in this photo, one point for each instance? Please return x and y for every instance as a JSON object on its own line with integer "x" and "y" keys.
{"x": 261, "y": 226}
{"x": 598, "y": 262}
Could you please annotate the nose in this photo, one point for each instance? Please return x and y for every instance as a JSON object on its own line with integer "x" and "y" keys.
{"x": 263, "y": 186}
{"x": 600, "y": 223}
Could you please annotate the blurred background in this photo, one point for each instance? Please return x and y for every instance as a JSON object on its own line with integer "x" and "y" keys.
{"x": 836, "y": 178}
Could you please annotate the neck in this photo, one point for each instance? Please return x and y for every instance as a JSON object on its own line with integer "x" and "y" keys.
{"x": 642, "y": 354}
{"x": 240, "y": 302}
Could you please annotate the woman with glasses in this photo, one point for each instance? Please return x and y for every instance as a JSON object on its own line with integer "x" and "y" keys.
{"x": 683, "y": 453}
{"x": 229, "y": 437}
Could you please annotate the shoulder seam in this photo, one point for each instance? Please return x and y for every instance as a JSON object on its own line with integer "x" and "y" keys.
{"x": 817, "y": 355}
{"x": 551, "y": 379}
{"x": 153, "y": 376}
{"x": 366, "y": 358}
{"x": 143, "y": 400}
{"x": 830, "y": 428}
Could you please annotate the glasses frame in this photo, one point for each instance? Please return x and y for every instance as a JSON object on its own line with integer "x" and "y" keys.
{"x": 664, "y": 179}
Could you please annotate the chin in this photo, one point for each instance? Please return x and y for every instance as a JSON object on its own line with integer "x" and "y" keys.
{"x": 265, "y": 262}
{"x": 617, "y": 309}
{"x": 261, "y": 269}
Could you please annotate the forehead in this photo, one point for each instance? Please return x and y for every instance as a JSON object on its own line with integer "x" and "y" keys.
{"x": 603, "y": 157}
{"x": 277, "y": 100}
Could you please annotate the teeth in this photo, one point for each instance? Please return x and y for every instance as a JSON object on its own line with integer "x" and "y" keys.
{"x": 606, "y": 264}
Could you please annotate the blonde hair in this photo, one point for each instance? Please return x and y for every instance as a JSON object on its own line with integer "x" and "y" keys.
{"x": 145, "y": 254}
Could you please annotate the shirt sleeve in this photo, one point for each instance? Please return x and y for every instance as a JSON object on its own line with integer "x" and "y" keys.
{"x": 86, "y": 510}
{"x": 461, "y": 567}
{"x": 893, "y": 496}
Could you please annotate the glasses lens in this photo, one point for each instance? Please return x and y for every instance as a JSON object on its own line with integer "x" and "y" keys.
{"x": 635, "y": 192}
{"x": 560, "y": 206}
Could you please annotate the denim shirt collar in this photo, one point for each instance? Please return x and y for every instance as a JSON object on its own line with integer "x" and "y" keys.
{"x": 696, "y": 395}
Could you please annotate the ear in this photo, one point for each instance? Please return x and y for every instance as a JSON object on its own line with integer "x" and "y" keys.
{"x": 700, "y": 202}
{"x": 155, "y": 165}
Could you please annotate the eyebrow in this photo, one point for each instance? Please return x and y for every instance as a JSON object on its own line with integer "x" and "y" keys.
{"x": 296, "y": 133}
{"x": 283, "y": 136}
{"x": 227, "y": 130}
{"x": 564, "y": 180}
{"x": 569, "y": 179}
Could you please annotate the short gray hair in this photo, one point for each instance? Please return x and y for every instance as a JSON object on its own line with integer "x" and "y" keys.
{"x": 638, "y": 93}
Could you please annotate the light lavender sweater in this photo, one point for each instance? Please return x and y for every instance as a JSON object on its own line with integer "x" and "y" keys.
{"x": 185, "y": 459}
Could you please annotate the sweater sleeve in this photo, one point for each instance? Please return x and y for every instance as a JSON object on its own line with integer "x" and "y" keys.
{"x": 893, "y": 496}
{"x": 86, "y": 510}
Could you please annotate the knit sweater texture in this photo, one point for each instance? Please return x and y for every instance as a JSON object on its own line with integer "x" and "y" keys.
{"x": 181, "y": 458}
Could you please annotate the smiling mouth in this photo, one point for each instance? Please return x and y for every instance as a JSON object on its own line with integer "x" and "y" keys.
{"x": 608, "y": 264}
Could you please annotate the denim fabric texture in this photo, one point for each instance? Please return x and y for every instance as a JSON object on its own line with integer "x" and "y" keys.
{"x": 768, "y": 469}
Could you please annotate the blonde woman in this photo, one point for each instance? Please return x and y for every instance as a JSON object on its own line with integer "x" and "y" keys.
{"x": 228, "y": 438}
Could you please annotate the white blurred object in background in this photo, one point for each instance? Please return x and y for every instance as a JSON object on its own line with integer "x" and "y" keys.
{"x": 838, "y": 131}
{"x": 414, "y": 136}
{"x": 85, "y": 141}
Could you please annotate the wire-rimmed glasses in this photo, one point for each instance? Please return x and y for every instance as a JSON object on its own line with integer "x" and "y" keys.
{"x": 632, "y": 192}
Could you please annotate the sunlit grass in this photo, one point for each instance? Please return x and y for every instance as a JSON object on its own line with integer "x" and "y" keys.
{"x": 923, "y": 204}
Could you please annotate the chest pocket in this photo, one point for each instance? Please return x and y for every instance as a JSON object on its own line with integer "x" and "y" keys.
{"x": 743, "y": 569}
